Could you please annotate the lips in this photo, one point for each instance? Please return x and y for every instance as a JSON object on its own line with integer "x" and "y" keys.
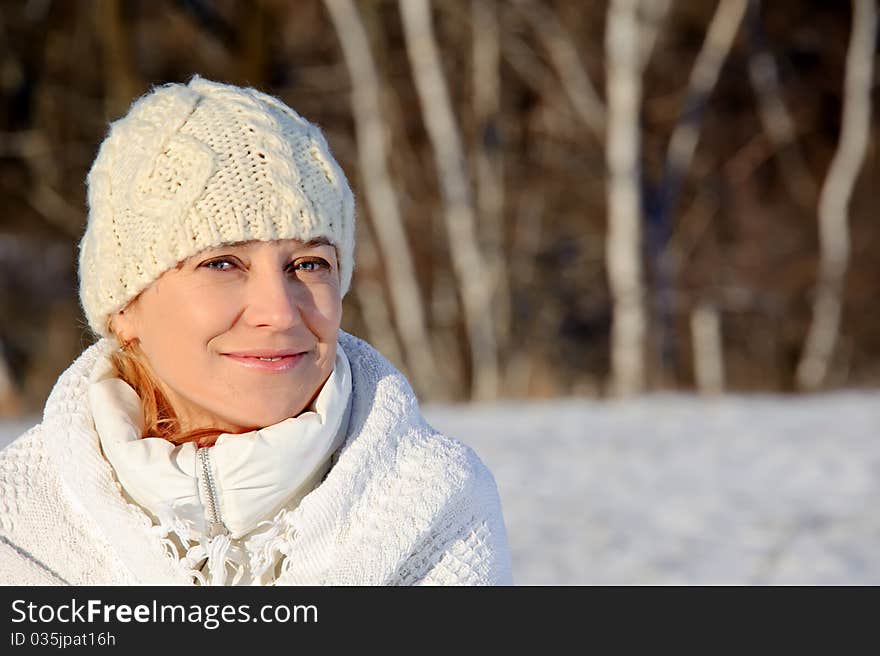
{"x": 264, "y": 353}
{"x": 267, "y": 360}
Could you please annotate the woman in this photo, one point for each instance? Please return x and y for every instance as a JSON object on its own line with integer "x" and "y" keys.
{"x": 223, "y": 430}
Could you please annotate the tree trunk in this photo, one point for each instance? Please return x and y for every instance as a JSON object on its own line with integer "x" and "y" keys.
{"x": 488, "y": 153}
{"x": 679, "y": 156}
{"x": 468, "y": 263}
{"x": 834, "y": 198}
{"x": 373, "y": 303}
{"x": 10, "y": 398}
{"x": 708, "y": 349}
{"x": 564, "y": 56}
{"x": 776, "y": 120}
{"x": 373, "y": 137}
{"x": 653, "y": 14}
{"x": 623, "y": 242}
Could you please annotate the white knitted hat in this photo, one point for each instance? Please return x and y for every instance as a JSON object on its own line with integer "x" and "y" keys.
{"x": 194, "y": 166}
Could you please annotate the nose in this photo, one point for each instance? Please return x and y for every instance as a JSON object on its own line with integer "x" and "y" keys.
{"x": 272, "y": 301}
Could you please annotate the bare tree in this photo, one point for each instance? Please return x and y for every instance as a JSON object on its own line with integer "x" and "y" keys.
{"x": 372, "y": 136}
{"x": 372, "y": 301}
{"x": 694, "y": 226}
{"x": 713, "y": 52}
{"x": 834, "y": 238}
{"x": 623, "y": 241}
{"x": 708, "y": 348}
{"x": 563, "y": 53}
{"x": 488, "y": 154}
{"x": 33, "y": 148}
{"x": 10, "y": 398}
{"x": 703, "y": 78}
{"x": 468, "y": 262}
{"x": 653, "y": 14}
{"x": 524, "y": 62}
{"x": 776, "y": 119}
{"x": 527, "y": 230}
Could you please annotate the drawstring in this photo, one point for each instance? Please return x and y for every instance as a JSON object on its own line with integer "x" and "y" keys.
{"x": 220, "y": 554}
{"x": 267, "y": 546}
{"x": 209, "y": 560}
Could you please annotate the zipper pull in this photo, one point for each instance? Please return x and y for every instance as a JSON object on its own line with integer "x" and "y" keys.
{"x": 217, "y": 528}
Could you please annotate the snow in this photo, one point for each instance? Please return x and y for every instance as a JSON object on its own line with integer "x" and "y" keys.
{"x": 674, "y": 489}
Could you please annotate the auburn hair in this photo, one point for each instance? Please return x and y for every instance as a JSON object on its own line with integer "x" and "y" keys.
{"x": 160, "y": 420}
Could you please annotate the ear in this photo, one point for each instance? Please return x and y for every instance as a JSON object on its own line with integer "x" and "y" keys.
{"x": 123, "y": 325}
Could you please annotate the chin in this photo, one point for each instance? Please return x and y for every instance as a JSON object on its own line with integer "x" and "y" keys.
{"x": 254, "y": 421}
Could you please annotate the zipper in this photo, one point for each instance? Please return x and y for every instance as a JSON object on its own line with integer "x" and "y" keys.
{"x": 215, "y": 523}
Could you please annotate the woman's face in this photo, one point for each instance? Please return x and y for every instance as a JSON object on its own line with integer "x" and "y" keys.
{"x": 205, "y": 324}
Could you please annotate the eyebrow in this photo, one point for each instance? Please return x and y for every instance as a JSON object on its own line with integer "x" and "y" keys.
{"x": 318, "y": 241}
{"x": 311, "y": 243}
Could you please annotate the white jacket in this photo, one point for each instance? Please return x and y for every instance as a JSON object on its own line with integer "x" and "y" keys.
{"x": 402, "y": 505}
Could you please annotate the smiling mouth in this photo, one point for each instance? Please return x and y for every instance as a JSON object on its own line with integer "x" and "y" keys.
{"x": 263, "y": 354}
{"x": 282, "y": 362}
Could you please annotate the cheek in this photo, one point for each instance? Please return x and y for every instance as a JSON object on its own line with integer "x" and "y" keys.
{"x": 177, "y": 323}
{"x": 326, "y": 314}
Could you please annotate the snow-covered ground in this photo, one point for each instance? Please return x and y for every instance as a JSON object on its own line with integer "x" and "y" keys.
{"x": 674, "y": 489}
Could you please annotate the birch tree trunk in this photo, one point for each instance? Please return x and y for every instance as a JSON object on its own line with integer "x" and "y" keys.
{"x": 653, "y": 14}
{"x": 372, "y": 301}
{"x": 703, "y": 79}
{"x": 524, "y": 250}
{"x": 708, "y": 349}
{"x": 10, "y": 399}
{"x": 776, "y": 120}
{"x": 468, "y": 263}
{"x": 372, "y": 137}
{"x": 530, "y": 69}
{"x": 489, "y": 156}
{"x": 704, "y": 76}
{"x": 623, "y": 242}
{"x": 565, "y": 59}
{"x": 834, "y": 239}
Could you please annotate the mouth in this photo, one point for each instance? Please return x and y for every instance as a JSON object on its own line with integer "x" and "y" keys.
{"x": 267, "y": 360}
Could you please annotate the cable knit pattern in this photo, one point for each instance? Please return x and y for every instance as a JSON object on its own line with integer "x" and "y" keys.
{"x": 402, "y": 505}
{"x": 194, "y": 166}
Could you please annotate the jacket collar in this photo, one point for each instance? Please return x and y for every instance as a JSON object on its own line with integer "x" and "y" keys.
{"x": 253, "y": 474}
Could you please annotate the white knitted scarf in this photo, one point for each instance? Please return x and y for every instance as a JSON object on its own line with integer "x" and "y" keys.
{"x": 257, "y": 477}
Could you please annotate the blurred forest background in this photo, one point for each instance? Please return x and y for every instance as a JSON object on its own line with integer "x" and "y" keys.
{"x": 555, "y": 197}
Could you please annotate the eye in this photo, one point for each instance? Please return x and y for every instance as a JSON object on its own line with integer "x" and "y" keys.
{"x": 311, "y": 265}
{"x": 220, "y": 264}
